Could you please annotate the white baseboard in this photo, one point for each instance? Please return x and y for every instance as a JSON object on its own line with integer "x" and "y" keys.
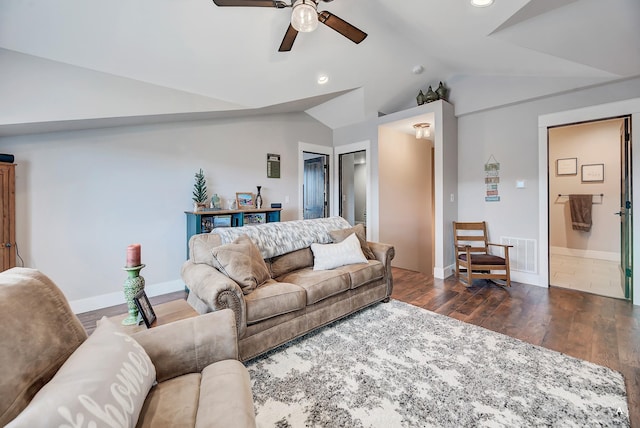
{"x": 111, "y": 299}
{"x": 442, "y": 273}
{"x": 590, "y": 254}
{"x": 526, "y": 278}
{"x": 516, "y": 276}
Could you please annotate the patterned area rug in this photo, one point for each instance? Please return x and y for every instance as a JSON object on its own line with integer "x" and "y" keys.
{"x": 397, "y": 365}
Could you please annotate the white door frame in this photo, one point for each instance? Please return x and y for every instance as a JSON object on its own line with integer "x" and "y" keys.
{"x": 350, "y": 148}
{"x": 587, "y": 114}
{"x": 312, "y": 148}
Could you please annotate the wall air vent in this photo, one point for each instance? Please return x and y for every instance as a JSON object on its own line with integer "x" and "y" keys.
{"x": 523, "y": 255}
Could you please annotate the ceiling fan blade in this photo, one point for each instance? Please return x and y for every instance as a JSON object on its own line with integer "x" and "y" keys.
{"x": 341, "y": 26}
{"x": 252, "y": 3}
{"x": 289, "y": 38}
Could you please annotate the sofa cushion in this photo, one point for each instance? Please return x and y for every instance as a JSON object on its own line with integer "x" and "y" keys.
{"x": 341, "y": 234}
{"x": 34, "y": 342}
{"x": 200, "y": 247}
{"x": 105, "y": 380}
{"x": 291, "y": 261}
{"x": 172, "y": 403}
{"x": 225, "y": 396}
{"x": 241, "y": 261}
{"x": 329, "y": 256}
{"x": 318, "y": 284}
{"x": 272, "y": 299}
{"x": 361, "y": 274}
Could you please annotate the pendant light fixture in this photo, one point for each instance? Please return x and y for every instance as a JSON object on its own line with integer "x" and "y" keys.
{"x": 423, "y": 130}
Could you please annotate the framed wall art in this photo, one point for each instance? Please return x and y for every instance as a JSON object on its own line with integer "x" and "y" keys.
{"x": 567, "y": 166}
{"x": 593, "y": 173}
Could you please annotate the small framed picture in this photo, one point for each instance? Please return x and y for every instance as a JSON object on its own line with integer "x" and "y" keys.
{"x": 244, "y": 200}
{"x": 567, "y": 166}
{"x": 144, "y": 307}
{"x": 593, "y": 173}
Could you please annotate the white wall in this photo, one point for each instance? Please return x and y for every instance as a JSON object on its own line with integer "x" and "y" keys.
{"x": 511, "y": 134}
{"x": 82, "y": 197}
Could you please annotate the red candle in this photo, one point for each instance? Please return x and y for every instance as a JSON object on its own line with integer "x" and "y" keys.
{"x": 133, "y": 255}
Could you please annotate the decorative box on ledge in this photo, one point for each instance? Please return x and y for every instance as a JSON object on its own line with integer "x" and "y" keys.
{"x": 206, "y": 221}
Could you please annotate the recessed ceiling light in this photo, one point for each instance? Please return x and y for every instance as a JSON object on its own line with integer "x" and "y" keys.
{"x": 322, "y": 79}
{"x": 481, "y": 3}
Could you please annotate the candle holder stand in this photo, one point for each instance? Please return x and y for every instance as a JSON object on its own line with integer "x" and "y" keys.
{"x": 132, "y": 286}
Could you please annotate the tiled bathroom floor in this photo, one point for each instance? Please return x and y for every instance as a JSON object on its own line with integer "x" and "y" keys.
{"x": 591, "y": 275}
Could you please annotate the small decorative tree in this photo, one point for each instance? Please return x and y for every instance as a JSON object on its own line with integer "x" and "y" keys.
{"x": 200, "y": 191}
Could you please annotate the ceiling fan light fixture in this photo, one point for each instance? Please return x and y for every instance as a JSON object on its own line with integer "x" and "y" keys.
{"x": 481, "y": 3}
{"x": 304, "y": 16}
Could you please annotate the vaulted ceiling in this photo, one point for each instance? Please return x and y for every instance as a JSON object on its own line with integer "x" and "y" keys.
{"x": 86, "y": 61}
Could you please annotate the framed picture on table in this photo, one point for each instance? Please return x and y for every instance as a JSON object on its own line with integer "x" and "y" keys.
{"x": 144, "y": 307}
{"x": 244, "y": 200}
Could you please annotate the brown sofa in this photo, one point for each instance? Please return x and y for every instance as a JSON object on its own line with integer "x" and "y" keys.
{"x": 54, "y": 375}
{"x": 294, "y": 299}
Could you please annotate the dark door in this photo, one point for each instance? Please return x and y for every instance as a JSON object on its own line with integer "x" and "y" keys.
{"x": 315, "y": 189}
{"x": 626, "y": 221}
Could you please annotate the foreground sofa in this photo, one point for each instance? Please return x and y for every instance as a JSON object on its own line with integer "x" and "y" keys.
{"x": 53, "y": 375}
{"x": 265, "y": 274}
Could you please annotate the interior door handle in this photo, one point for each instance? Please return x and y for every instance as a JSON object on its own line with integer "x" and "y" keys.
{"x": 620, "y": 213}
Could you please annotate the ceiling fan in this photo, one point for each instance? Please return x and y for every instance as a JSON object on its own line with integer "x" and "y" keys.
{"x": 304, "y": 18}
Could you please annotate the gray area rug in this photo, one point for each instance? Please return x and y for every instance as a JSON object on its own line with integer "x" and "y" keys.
{"x": 397, "y": 365}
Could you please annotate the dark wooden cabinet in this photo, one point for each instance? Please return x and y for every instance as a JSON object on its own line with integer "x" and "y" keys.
{"x": 8, "y": 204}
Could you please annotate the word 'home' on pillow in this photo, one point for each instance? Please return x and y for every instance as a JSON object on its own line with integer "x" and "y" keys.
{"x": 329, "y": 256}
{"x": 103, "y": 383}
{"x": 242, "y": 261}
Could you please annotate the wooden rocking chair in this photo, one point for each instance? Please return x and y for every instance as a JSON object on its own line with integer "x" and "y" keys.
{"x": 473, "y": 257}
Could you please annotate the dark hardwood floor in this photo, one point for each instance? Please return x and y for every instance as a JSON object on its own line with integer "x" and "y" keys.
{"x": 599, "y": 329}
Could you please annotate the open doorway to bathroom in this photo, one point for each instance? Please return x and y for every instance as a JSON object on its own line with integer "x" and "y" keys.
{"x": 353, "y": 187}
{"x": 589, "y": 207}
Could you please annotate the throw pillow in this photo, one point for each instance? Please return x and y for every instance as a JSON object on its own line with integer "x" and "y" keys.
{"x": 340, "y": 234}
{"x": 103, "y": 384}
{"x": 241, "y": 261}
{"x": 329, "y": 256}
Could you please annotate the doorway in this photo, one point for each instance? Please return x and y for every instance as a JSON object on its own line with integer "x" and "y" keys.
{"x": 315, "y": 188}
{"x": 353, "y": 187}
{"x": 589, "y": 176}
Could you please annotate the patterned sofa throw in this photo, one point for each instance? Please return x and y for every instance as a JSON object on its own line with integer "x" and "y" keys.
{"x": 275, "y": 239}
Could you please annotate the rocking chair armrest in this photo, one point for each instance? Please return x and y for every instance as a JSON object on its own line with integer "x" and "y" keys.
{"x": 500, "y": 245}
{"x": 504, "y": 247}
{"x": 467, "y": 249}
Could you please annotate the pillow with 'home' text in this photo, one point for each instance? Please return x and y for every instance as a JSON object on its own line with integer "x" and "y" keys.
{"x": 102, "y": 384}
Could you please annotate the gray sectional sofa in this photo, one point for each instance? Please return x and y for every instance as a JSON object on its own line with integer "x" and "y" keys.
{"x": 270, "y": 283}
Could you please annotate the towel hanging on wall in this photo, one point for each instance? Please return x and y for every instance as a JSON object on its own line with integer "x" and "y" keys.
{"x": 580, "y": 207}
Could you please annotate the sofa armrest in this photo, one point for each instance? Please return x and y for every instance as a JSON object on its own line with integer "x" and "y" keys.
{"x": 384, "y": 253}
{"x": 190, "y": 345}
{"x": 216, "y": 290}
